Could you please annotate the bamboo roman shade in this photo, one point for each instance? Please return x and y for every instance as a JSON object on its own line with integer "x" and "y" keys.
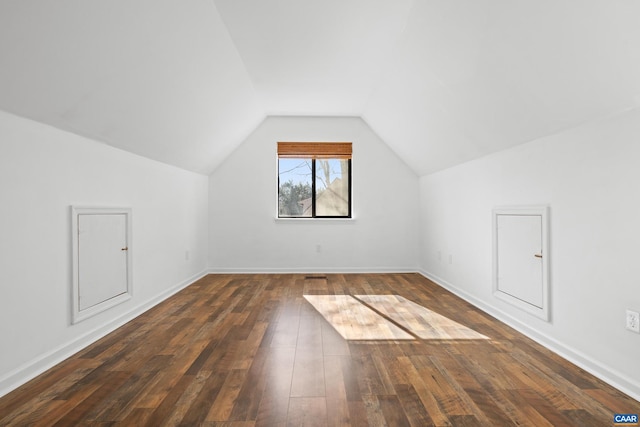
{"x": 315, "y": 150}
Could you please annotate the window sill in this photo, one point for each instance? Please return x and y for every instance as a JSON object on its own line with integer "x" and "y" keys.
{"x": 310, "y": 220}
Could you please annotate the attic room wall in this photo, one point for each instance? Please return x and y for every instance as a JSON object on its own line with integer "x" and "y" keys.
{"x": 42, "y": 172}
{"x": 246, "y": 237}
{"x": 589, "y": 176}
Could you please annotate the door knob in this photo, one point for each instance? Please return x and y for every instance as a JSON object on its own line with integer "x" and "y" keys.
{"x": 538, "y": 255}
{"x": 126, "y": 248}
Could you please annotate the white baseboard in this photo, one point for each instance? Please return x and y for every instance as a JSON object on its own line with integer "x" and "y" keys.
{"x": 310, "y": 270}
{"x": 40, "y": 364}
{"x": 606, "y": 373}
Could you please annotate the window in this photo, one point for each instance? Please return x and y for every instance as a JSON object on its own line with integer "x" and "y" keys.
{"x": 314, "y": 179}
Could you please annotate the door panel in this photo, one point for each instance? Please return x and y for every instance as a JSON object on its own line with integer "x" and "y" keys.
{"x": 521, "y": 258}
{"x": 102, "y": 258}
{"x": 519, "y": 252}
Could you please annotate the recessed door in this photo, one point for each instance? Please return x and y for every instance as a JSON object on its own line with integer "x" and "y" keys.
{"x": 521, "y": 258}
{"x": 101, "y": 259}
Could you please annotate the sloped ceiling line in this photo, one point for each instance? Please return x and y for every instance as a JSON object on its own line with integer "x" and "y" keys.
{"x": 441, "y": 82}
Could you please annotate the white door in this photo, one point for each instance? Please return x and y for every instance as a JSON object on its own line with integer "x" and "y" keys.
{"x": 102, "y": 258}
{"x": 519, "y": 257}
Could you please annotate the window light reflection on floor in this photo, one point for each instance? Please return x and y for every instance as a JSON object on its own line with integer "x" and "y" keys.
{"x": 375, "y": 317}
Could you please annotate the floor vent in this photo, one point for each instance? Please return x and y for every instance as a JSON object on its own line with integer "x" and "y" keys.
{"x": 315, "y": 276}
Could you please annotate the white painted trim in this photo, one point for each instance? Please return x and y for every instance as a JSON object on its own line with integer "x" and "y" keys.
{"x": 310, "y": 270}
{"x": 606, "y": 373}
{"x": 40, "y": 364}
{"x": 310, "y": 220}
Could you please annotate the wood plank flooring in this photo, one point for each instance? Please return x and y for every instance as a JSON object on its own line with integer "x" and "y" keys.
{"x": 250, "y": 350}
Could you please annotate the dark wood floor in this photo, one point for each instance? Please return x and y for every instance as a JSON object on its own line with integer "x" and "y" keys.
{"x": 245, "y": 350}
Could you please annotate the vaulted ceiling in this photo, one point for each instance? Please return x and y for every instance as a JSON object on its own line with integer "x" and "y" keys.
{"x": 441, "y": 81}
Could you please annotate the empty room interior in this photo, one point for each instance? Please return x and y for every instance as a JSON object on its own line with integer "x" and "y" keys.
{"x": 338, "y": 212}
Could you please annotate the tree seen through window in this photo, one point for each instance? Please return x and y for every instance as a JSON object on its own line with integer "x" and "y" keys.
{"x": 314, "y": 186}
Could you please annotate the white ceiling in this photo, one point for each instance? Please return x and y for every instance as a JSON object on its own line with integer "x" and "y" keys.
{"x": 442, "y": 82}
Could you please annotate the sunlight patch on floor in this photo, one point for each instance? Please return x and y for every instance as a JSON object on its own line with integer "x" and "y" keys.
{"x": 421, "y": 321}
{"x": 354, "y": 320}
{"x": 376, "y": 317}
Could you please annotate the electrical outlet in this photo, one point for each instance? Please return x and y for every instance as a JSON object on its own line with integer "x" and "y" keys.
{"x": 633, "y": 321}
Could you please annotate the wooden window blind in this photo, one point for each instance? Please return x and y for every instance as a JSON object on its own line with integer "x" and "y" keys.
{"x": 315, "y": 150}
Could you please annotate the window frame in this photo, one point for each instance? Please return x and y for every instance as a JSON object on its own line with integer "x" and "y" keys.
{"x": 316, "y": 151}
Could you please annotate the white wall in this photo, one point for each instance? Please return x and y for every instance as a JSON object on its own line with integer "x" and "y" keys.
{"x": 42, "y": 172}
{"x": 244, "y": 236}
{"x": 590, "y": 178}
